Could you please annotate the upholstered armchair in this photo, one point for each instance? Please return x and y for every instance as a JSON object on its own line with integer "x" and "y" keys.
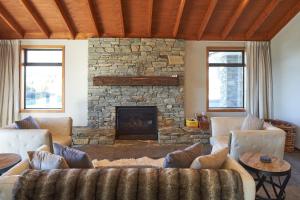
{"x": 226, "y": 131}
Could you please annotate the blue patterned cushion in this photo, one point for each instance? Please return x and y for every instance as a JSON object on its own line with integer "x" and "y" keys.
{"x": 75, "y": 158}
{"x": 27, "y": 123}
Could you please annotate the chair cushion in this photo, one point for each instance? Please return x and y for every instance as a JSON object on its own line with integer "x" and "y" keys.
{"x": 62, "y": 139}
{"x": 251, "y": 122}
{"x": 183, "y": 158}
{"x": 212, "y": 161}
{"x": 43, "y": 160}
{"x": 27, "y": 123}
{"x": 75, "y": 158}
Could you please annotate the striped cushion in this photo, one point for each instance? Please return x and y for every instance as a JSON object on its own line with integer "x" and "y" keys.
{"x": 27, "y": 123}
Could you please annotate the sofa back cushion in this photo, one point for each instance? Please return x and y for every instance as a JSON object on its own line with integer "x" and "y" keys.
{"x": 221, "y": 126}
{"x": 130, "y": 183}
{"x": 57, "y": 125}
{"x": 27, "y": 123}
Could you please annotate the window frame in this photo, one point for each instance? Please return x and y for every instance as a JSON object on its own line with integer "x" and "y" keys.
{"x": 228, "y": 49}
{"x": 22, "y": 79}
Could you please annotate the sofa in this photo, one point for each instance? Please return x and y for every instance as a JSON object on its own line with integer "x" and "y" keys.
{"x": 226, "y": 132}
{"x": 60, "y": 129}
{"x": 246, "y": 183}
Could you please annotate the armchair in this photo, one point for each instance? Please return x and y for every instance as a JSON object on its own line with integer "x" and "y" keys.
{"x": 226, "y": 132}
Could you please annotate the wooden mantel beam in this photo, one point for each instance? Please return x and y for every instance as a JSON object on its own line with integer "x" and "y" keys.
{"x": 178, "y": 17}
{"x": 207, "y": 16}
{"x": 36, "y": 17}
{"x": 261, "y": 18}
{"x": 10, "y": 21}
{"x": 149, "y": 27}
{"x": 94, "y": 16}
{"x": 122, "y": 19}
{"x": 68, "y": 21}
{"x": 232, "y": 21}
{"x": 294, "y": 10}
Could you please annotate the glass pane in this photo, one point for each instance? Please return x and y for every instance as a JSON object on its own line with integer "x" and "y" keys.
{"x": 44, "y": 56}
{"x": 43, "y": 87}
{"x": 225, "y": 57}
{"x": 226, "y": 87}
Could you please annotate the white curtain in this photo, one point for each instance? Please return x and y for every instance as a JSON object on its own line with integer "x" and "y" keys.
{"x": 259, "y": 79}
{"x": 9, "y": 81}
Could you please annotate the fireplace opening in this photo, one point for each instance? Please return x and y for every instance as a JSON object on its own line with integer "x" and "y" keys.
{"x": 136, "y": 122}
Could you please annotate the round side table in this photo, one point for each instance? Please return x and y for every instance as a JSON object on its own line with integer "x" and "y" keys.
{"x": 275, "y": 174}
{"x": 8, "y": 160}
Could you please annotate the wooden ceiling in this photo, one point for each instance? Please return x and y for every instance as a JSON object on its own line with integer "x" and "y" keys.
{"x": 186, "y": 19}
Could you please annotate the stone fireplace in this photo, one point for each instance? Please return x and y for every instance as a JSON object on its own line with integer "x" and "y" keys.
{"x": 124, "y": 58}
{"x": 136, "y": 122}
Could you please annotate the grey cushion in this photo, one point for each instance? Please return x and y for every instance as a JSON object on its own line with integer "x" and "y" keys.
{"x": 27, "y": 123}
{"x": 212, "y": 161}
{"x": 43, "y": 160}
{"x": 183, "y": 158}
{"x": 75, "y": 158}
{"x": 251, "y": 122}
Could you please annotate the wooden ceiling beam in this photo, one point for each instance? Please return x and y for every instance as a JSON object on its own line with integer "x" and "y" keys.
{"x": 207, "y": 16}
{"x": 123, "y": 34}
{"x": 261, "y": 18}
{"x": 11, "y": 22}
{"x": 149, "y": 27}
{"x": 67, "y": 19}
{"x": 178, "y": 17}
{"x": 232, "y": 21}
{"x": 93, "y": 15}
{"x": 295, "y": 9}
{"x": 36, "y": 17}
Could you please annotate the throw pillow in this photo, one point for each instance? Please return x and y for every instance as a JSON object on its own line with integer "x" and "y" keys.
{"x": 212, "y": 161}
{"x": 251, "y": 122}
{"x": 43, "y": 160}
{"x": 27, "y": 123}
{"x": 183, "y": 158}
{"x": 75, "y": 158}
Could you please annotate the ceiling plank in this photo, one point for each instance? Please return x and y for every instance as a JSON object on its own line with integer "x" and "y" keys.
{"x": 149, "y": 28}
{"x": 123, "y": 34}
{"x": 10, "y": 21}
{"x": 94, "y": 16}
{"x": 232, "y": 21}
{"x": 207, "y": 16}
{"x": 178, "y": 17}
{"x": 295, "y": 9}
{"x": 261, "y": 18}
{"x": 36, "y": 17}
{"x": 68, "y": 21}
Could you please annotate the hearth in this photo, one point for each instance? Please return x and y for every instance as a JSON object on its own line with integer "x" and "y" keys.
{"x": 136, "y": 122}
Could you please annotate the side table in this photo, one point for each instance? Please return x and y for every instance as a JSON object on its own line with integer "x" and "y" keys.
{"x": 267, "y": 173}
{"x": 7, "y": 161}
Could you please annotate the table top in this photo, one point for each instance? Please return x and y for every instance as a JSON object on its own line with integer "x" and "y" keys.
{"x": 8, "y": 160}
{"x": 277, "y": 165}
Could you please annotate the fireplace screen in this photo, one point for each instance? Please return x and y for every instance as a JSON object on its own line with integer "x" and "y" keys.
{"x": 136, "y": 122}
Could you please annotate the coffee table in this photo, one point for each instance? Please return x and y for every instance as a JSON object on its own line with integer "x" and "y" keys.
{"x": 275, "y": 174}
{"x": 8, "y": 160}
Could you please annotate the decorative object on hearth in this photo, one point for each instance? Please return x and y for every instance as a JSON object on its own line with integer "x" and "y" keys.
{"x": 203, "y": 121}
{"x": 191, "y": 123}
{"x": 290, "y": 130}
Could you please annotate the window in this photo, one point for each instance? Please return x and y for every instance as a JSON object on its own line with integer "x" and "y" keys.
{"x": 226, "y": 72}
{"x": 42, "y": 78}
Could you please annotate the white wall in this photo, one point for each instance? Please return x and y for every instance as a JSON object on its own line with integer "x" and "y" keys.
{"x": 76, "y": 76}
{"x": 285, "y": 48}
{"x": 195, "y": 76}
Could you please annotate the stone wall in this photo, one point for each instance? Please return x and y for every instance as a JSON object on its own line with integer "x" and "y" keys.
{"x": 133, "y": 57}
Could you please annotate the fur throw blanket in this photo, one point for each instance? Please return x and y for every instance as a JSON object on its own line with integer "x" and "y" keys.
{"x": 128, "y": 184}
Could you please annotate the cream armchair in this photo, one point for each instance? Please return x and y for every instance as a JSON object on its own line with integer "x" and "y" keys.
{"x": 270, "y": 141}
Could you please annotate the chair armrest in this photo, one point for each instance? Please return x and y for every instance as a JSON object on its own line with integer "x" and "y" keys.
{"x": 6, "y": 187}
{"x": 247, "y": 179}
{"x": 269, "y": 142}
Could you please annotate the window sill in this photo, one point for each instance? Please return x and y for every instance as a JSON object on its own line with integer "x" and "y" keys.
{"x": 226, "y": 110}
{"x": 42, "y": 111}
